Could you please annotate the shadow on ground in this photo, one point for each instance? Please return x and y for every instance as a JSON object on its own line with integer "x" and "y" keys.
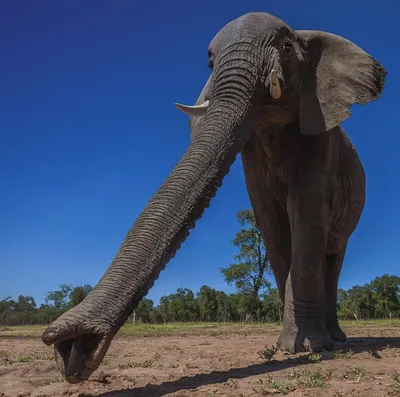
{"x": 357, "y": 345}
{"x": 371, "y": 345}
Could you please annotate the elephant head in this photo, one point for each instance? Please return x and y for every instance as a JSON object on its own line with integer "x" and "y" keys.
{"x": 262, "y": 72}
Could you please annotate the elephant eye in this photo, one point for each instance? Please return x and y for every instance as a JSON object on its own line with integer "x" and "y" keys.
{"x": 287, "y": 47}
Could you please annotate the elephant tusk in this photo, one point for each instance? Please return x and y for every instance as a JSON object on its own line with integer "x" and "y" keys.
{"x": 274, "y": 86}
{"x": 196, "y": 110}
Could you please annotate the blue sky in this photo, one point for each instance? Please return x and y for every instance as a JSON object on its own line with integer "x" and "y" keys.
{"x": 89, "y": 131}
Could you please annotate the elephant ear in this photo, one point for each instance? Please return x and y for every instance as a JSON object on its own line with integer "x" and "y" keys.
{"x": 339, "y": 74}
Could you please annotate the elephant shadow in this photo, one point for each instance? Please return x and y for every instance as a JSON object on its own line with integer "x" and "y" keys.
{"x": 372, "y": 345}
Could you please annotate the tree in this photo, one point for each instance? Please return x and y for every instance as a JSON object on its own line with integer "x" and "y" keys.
{"x": 156, "y": 316}
{"x": 226, "y": 309}
{"x": 208, "y": 304}
{"x": 7, "y": 305}
{"x": 143, "y": 311}
{"x": 183, "y": 306}
{"x": 25, "y": 304}
{"x": 358, "y": 302}
{"x": 164, "y": 308}
{"x": 240, "y": 304}
{"x": 60, "y": 298}
{"x": 247, "y": 274}
{"x": 386, "y": 291}
{"x": 78, "y": 294}
{"x": 272, "y": 305}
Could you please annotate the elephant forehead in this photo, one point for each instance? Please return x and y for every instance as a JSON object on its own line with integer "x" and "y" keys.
{"x": 253, "y": 23}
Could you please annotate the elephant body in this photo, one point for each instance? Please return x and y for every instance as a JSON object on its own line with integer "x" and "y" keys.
{"x": 322, "y": 179}
{"x": 278, "y": 97}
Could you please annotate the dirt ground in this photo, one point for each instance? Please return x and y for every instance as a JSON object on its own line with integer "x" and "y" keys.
{"x": 214, "y": 361}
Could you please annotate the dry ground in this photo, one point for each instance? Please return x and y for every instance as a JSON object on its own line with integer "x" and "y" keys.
{"x": 209, "y": 360}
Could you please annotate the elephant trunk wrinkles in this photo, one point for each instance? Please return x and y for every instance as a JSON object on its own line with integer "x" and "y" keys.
{"x": 168, "y": 217}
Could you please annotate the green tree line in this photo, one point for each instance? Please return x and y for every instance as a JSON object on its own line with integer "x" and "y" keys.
{"x": 379, "y": 299}
{"x": 255, "y": 298}
{"x": 24, "y": 310}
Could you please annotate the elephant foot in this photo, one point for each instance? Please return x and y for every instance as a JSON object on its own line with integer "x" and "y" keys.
{"x": 336, "y": 333}
{"x": 307, "y": 339}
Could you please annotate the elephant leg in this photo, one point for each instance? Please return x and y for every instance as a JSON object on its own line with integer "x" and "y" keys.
{"x": 278, "y": 245}
{"x": 269, "y": 209}
{"x": 279, "y": 257}
{"x": 304, "y": 327}
{"x": 333, "y": 268}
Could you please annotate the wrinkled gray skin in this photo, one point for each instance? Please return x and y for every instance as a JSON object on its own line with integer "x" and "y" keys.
{"x": 304, "y": 178}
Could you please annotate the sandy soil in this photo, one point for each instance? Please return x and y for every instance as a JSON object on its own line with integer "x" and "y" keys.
{"x": 220, "y": 362}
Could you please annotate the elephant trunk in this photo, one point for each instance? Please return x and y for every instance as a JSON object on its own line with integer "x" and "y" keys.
{"x": 82, "y": 335}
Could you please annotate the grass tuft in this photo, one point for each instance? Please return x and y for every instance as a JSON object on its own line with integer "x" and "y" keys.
{"x": 51, "y": 381}
{"x": 137, "y": 364}
{"x": 343, "y": 354}
{"x": 396, "y": 380}
{"x": 27, "y": 358}
{"x": 314, "y": 357}
{"x": 354, "y": 373}
{"x": 311, "y": 378}
{"x": 278, "y": 386}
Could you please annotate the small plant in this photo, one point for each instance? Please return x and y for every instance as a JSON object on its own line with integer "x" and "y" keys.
{"x": 343, "y": 354}
{"x": 354, "y": 373}
{"x": 314, "y": 357}
{"x": 396, "y": 379}
{"x": 45, "y": 356}
{"x": 137, "y": 364}
{"x": 279, "y": 387}
{"x": 47, "y": 382}
{"x": 232, "y": 383}
{"x": 4, "y": 358}
{"x": 308, "y": 378}
{"x": 268, "y": 353}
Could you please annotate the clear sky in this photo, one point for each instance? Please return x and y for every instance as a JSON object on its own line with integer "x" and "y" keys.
{"x": 89, "y": 131}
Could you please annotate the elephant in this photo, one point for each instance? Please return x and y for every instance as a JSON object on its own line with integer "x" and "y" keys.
{"x": 276, "y": 96}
